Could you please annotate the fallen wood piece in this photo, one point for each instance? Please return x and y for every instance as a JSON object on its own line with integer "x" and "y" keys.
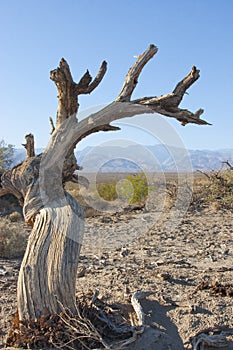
{"x": 217, "y": 341}
{"x": 137, "y": 306}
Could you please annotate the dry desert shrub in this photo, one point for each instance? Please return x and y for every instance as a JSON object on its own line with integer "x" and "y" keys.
{"x": 15, "y": 216}
{"x": 212, "y": 190}
{"x": 215, "y": 190}
{"x": 13, "y": 239}
{"x": 111, "y": 189}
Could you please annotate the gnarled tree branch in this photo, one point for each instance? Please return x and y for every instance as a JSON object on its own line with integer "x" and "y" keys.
{"x": 68, "y": 90}
{"x": 167, "y": 105}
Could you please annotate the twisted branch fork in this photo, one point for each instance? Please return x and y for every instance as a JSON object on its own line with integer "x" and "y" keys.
{"x": 123, "y": 106}
{"x": 69, "y": 131}
{"x": 166, "y": 104}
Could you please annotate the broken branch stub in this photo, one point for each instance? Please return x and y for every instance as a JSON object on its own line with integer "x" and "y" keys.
{"x": 29, "y": 145}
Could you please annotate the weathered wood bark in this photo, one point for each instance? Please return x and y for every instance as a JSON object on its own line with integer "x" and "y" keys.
{"x": 47, "y": 275}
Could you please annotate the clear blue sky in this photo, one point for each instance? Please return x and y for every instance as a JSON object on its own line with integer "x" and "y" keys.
{"x": 34, "y": 36}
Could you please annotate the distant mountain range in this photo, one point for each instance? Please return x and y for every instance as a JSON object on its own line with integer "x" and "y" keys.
{"x": 147, "y": 158}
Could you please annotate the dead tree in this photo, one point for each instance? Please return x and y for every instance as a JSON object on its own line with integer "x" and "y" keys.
{"x": 48, "y": 272}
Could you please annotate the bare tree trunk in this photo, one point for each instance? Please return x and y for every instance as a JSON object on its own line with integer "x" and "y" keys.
{"x": 47, "y": 276}
{"x": 48, "y": 272}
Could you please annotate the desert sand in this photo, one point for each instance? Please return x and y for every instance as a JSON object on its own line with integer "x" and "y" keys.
{"x": 188, "y": 270}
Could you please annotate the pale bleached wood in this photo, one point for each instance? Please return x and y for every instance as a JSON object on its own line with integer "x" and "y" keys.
{"x": 47, "y": 277}
{"x": 135, "y": 301}
{"x": 216, "y": 341}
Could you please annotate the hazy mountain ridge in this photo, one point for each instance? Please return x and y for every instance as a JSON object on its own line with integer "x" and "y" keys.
{"x": 149, "y": 158}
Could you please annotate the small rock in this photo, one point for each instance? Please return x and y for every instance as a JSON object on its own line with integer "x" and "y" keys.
{"x": 124, "y": 252}
{"x": 81, "y": 273}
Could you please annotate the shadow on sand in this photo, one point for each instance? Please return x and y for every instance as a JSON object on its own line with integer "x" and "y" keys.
{"x": 163, "y": 333}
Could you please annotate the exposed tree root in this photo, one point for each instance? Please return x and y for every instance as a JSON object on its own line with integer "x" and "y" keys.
{"x": 217, "y": 341}
{"x": 212, "y": 338}
{"x": 93, "y": 327}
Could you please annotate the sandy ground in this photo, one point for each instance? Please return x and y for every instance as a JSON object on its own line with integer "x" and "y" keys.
{"x": 137, "y": 251}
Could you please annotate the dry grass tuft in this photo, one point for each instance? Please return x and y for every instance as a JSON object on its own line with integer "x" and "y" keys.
{"x": 13, "y": 239}
{"x": 214, "y": 190}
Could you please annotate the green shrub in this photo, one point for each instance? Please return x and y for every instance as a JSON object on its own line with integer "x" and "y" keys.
{"x": 107, "y": 191}
{"x": 141, "y": 189}
{"x": 6, "y": 156}
{"x": 133, "y": 189}
{"x": 13, "y": 240}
